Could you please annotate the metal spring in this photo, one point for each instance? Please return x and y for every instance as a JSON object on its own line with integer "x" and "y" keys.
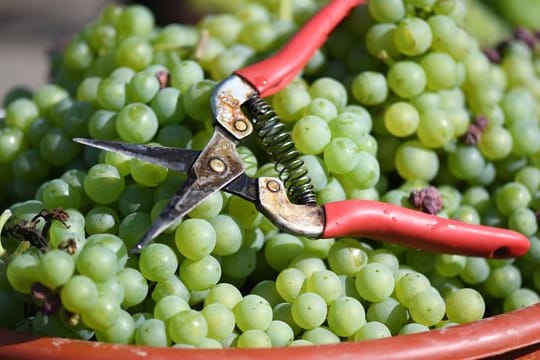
{"x": 278, "y": 145}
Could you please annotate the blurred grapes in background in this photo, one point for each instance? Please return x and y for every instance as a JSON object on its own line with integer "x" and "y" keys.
{"x": 31, "y": 29}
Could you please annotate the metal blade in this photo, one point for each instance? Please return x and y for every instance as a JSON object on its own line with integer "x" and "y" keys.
{"x": 215, "y": 168}
{"x": 171, "y": 158}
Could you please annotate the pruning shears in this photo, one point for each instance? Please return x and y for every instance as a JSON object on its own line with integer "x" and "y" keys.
{"x": 289, "y": 200}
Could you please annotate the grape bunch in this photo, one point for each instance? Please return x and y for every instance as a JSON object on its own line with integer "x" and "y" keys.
{"x": 401, "y": 105}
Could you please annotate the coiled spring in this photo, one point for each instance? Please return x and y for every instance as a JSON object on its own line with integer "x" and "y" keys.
{"x": 278, "y": 145}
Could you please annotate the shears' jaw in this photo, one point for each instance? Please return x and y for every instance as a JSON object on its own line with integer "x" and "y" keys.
{"x": 298, "y": 219}
{"x": 226, "y": 104}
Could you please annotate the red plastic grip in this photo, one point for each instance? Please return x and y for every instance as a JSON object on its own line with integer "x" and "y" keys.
{"x": 274, "y": 73}
{"x": 399, "y": 225}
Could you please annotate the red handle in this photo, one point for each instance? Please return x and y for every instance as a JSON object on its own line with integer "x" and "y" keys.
{"x": 274, "y": 73}
{"x": 399, "y": 225}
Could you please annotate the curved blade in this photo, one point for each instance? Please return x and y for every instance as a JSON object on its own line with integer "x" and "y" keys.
{"x": 171, "y": 158}
{"x": 216, "y": 167}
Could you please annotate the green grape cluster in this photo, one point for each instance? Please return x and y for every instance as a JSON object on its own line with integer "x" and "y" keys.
{"x": 401, "y": 105}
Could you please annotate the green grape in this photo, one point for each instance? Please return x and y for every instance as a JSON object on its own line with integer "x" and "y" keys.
{"x": 412, "y": 36}
{"x": 518, "y": 104}
{"x": 244, "y": 212}
{"x": 352, "y": 124}
{"x": 341, "y": 155}
{"x": 414, "y": 161}
{"x": 102, "y": 38}
{"x": 401, "y": 119}
{"x": 174, "y": 135}
{"x": 30, "y": 165}
{"x": 434, "y": 130}
{"x": 440, "y": 69}
{"x": 253, "y": 338}
{"x": 103, "y": 313}
{"x": 292, "y": 101}
{"x": 142, "y": 87}
{"x": 200, "y": 274}
{"x": 103, "y": 183}
{"x": 135, "y": 198}
{"x": 58, "y": 193}
{"x": 197, "y": 98}
{"x": 330, "y": 89}
{"x": 519, "y": 299}
{"x": 101, "y": 219}
{"x": 370, "y": 88}
{"x": 324, "y": 283}
{"x": 185, "y": 74}
{"x": 503, "y": 281}
{"x": 135, "y": 286}
{"x": 22, "y": 271}
{"x": 146, "y": 173}
{"x": 220, "y": 320}
{"x": 281, "y": 334}
{"x": 389, "y": 312}
{"x": 526, "y": 137}
{"x": 407, "y": 79}
{"x": 228, "y": 235}
{"x": 530, "y": 177}
{"x": 121, "y": 332}
{"x": 524, "y": 221}
{"x": 346, "y": 256}
{"x": 134, "y": 52}
{"x": 136, "y": 123}
{"x": 410, "y": 284}
{"x": 511, "y": 197}
{"x": 380, "y": 41}
{"x": 12, "y": 143}
{"x": 47, "y": 96}
{"x": 195, "y": 238}
{"x": 168, "y": 306}
{"x": 230, "y": 60}
{"x": 449, "y": 265}
{"x": 111, "y": 94}
{"x": 333, "y": 191}
{"x": 224, "y": 293}
{"x": 21, "y": 113}
{"x": 168, "y": 106}
{"x": 253, "y": 312}
{"x": 133, "y": 226}
{"x": 372, "y": 330}
{"x": 122, "y": 74}
{"x": 56, "y": 267}
{"x": 366, "y": 173}
{"x": 102, "y": 125}
{"x": 225, "y": 27}
{"x": 465, "y": 305}
{"x": 496, "y": 143}
{"x": 280, "y": 249}
{"x": 321, "y": 107}
{"x": 174, "y": 36}
{"x": 78, "y": 293}
{"x": 239, "y": 265}
{"x": 157, "y": 262}
{"x": 289, "y": 283}
{"x": 311, "y": 134}
{"x": 309, "y": 310}
{"x": 466, "y": 162}
{"x": 412, "y": 328}
{"x": 318, "y": 247}
{"x": 152, "y": 332}
{"x": 98, "y": 262}
{"x": 187, "y": 327}
{"x": 427, "y": 307}
{"x": 346, "y": 316}
{"x": 374, "y": 282}
{"x": 387, "y": 10}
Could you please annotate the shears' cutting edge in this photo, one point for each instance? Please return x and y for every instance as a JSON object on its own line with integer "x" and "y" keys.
{"x": 219, "y": 167}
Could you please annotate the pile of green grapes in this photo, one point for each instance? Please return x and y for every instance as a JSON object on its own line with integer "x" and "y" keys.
{"x": 400, "y": 105}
